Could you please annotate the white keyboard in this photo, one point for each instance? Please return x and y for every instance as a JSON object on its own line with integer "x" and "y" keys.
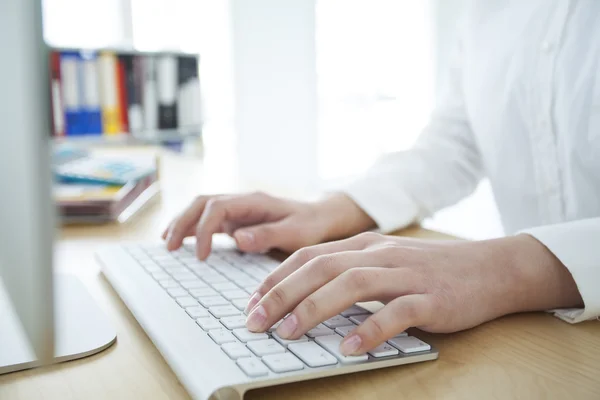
{"x": 214, "y": 293}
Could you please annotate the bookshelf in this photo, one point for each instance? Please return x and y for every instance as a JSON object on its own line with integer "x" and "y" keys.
{"x": 136, "y": 84}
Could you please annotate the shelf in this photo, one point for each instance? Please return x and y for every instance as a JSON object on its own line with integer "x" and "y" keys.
{"x": 120, "y": 139}
{"x": 124, "y": 51}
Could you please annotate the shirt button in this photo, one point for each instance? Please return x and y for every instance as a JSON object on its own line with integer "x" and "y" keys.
{"x": 546, "y": 46}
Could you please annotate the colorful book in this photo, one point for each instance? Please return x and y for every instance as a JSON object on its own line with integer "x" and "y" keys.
{"x": 149, "y": 99}
{"x": 166, "y": 79}
{"x": 133, "y": 83}
{"x": 189, "y": 113}
{"x": 58, "y": 117}
{"x": 72, "y": 102}
{"x": 122, "y": 94}
{"x": 91, "y": 112}
{"x": 109, "y": 97}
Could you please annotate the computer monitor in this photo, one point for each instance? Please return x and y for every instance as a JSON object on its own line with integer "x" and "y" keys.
{"x": 26, "y": 208}
{"x": 44, "y": 317}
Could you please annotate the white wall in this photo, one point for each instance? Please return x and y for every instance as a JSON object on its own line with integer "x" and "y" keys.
{"x": 275, "y": 98}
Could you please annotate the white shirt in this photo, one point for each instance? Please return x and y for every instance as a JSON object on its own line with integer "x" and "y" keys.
{"x": 521, "y": 106}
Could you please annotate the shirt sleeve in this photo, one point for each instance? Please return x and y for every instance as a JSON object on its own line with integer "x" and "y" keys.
{"x": 443, "y": 167}
{"x": 577, "y": 245}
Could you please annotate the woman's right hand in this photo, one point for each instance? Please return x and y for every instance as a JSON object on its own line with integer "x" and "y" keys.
{"x": 259, "y": 222}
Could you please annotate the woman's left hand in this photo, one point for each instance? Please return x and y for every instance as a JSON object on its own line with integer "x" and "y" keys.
{"x": 437, "y": 286}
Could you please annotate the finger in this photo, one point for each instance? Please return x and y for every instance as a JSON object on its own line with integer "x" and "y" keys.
{"x": 397, "y": 316}
{"x": 166, "y": 231}
{"x": 183, "y": 225}
{"x": 263, "y": 237}
{"x": 255, "y": 207}
{"x": 354, "y": 285}
{"x": 302, "y": 257}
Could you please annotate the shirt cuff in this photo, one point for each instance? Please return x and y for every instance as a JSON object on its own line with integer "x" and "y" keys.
{"x": 391, "y": 209}
{"x": 574, "y": 244}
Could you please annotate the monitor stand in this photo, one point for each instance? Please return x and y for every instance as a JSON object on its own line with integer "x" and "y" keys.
{"x": 81, "y": 328}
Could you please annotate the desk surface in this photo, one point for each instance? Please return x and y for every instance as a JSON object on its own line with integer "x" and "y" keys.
{"x": 533, "y": 356}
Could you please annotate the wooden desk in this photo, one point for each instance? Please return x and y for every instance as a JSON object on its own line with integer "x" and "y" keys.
{"x": 528, "y": 356}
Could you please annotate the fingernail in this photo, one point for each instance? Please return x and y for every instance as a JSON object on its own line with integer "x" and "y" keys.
{"x": 256, "y": 319}
{"x": 288, "y": 326}
{"x": 350, "y": 345}
{"x": 246, "y": 237}
{"x": 252, "y": 302}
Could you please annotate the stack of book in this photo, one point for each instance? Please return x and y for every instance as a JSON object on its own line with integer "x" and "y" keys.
{"x": 93, "y": 189}
{"x": 109, "y": 93}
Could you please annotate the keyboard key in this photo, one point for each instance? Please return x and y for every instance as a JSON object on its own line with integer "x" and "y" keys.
{"x": 331, "y": 343}
{"x": 203, "y": 292}
{"x": 337, "y": 321}
{"x": 233, "y": 274}
{"x": 163, "y": 258}
{"x": 409, "y": 344}
{"x": 186, "y": 301}
{"x": 236, "y": 350}
{"x": 234, "y": 322}
{"x": 354, "y": 310}
{"x": 151, "y": 267}
{"x": 319, "y": 330}
{"x": 274, "y": 327}
{"x": 184, "y": 276}
{"x": 224, "y": 311}
{"x": 211, "y": 301}
{"x": 234, "y": 294}
{"x": 241, "y": 303}
{"x": 197, "y": 312}
{"x": 344, "y": 330}
{"x": 216, "y": 262}
{"x": 401, "y": 334}
{"x": 252, "y": 366}
{"x": 245, "y": 281}
{"x": 256, "y": 272}
{"x": 160, "y": 275}
{"x": 312, "y": 354}
{"x": 251, "y": 288}
{"x": 208, "y": 323}
{"x": 245, "y": 335}
{"x": 270, "y": 265}
{"x": 265, "y": 347}
{"x": 175, "y": 269}
{"x": 213, "y": 279}
{"x": 221, "y": 336}
{"x": 283, "y": 362}
{"x": 383, "y": 350}
{"x": 287, "y": 342}
{"x": 224, "y": 286}
{"x": 194, "y": 284}
{"x": 359, "y": 319}
{"x": 169, "y": 283}
{"x": 177, "y": 292}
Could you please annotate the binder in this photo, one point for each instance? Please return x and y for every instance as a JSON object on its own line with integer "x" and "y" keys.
{"x": 133, "y": 83}
{"x": 58, "y": 118}
{"x": 109, "y": 99}
{"x": 122, "y": 95}
{"x": 166, "y": 77}
{"x": 90, "y": 97}
{"x": 69, "y": 72}
{"x": 149, "y": 99}
{"x": 188, "y": 96}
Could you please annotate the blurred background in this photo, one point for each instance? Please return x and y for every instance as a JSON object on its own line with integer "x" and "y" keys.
{"x": 298, "y": 96}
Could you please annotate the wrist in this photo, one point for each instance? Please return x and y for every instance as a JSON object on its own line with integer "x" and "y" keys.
{"x": 342, "y": 217}
{"x": 540, "y": 280}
